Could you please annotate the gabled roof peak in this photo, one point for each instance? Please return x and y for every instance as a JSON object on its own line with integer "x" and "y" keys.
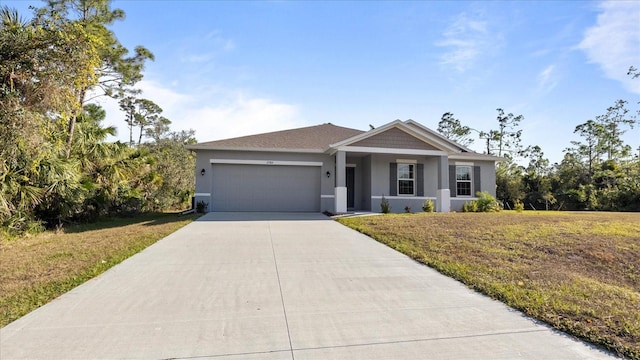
{"x": 408, "y": 127}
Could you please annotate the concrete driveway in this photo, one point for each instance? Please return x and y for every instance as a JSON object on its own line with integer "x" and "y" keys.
{"x": 278, "y": 286}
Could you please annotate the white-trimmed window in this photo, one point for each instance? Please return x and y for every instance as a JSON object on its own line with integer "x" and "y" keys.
{"x": 463, "y": 180}
{"x": 406, "y": 179}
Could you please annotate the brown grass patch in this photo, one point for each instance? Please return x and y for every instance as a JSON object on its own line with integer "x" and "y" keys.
{"x": 36, "y": 269}
{"x": 579, "y": 272}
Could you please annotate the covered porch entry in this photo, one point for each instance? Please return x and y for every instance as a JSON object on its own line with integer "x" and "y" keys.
{"x": 405, "y": 179}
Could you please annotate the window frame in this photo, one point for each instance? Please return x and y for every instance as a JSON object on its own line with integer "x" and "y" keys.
{"x": 412, "y": 178}
{"x": 466, "y": 181}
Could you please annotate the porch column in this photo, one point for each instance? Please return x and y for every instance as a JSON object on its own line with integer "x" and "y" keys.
{"x": 341, "y": 182}
{"x": 443, "y": 197}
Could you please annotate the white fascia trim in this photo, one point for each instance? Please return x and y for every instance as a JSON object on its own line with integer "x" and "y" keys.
{"x": 391, "y": 151}
{"x": 463, "y": 198}
{"x": 472, "y": 156}
{"x": 202, "y": 194}
{"x": 416, "y": 125}
{"x": 403, "y": 126}
{"x": 265, "y": 162}
{"x": 421, "y": 135}
{"x": 327, "y": 196}
{"x": 405, "y": 197}
{"x": 308, "y": 151}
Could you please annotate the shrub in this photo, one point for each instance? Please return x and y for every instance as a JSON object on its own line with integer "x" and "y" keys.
{"x": 407, "y": 209}
{"x": 19, "y": 224}
{"x": 487, "y": 202}
{"x": 384, "y": 205}
{"x": 470, "y": 206}
{"x": 427, "y": 206}
{"x": 201, "y": 206}
{"x": 518, "y": 206}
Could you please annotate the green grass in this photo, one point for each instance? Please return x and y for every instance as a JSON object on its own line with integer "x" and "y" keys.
{"x": 36, "y": 269}
{"x": 578, "y": 272}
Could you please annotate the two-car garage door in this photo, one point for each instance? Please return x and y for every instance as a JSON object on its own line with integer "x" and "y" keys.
{"x": 240, "y": 187}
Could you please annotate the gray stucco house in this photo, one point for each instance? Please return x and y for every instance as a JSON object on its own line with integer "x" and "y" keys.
{"x": 337, "y": 169}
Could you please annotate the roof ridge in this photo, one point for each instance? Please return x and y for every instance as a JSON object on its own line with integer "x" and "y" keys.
{"x": 281, "y": 131}
{"x": 317, "y": 137}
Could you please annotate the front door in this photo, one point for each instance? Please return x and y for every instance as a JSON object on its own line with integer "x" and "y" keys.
{"x": 351, "y": 183}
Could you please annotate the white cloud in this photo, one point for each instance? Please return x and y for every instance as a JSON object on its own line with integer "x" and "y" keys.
{"x": 166, "y": 97}
{"x": 212, "y": 113}
{"x": 221, "y": 42}
{"x": 215, "y": 44}
{"x": 467, "y": 39}
{"x": 547, "y": 79}
{"x": 614, "y": 42}
{"x": 197, "y": 58}
{"x": 239, "y": 115}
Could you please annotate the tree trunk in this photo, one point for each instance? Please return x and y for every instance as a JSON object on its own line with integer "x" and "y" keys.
{"x": 72, "y": 121}
{"x": 140, "y": 136}
{"x": 72, "y": 127}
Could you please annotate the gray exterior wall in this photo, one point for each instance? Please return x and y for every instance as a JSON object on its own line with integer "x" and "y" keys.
{"x": 431, "y": 176}
{"x": 204, "y": 183}
{"x": 372, "y": 178}
{"x": 488, "y": 176}
{"x": 487, "y": 183}
{"x": 394, "y": 139}
{"x": 380, "y": 182}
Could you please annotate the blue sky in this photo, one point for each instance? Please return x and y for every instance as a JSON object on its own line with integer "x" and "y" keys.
{"x": 235, "y": 68}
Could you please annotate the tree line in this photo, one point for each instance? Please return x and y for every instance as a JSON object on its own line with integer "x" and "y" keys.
{"x": 598, "y": 172}
{"x": 56, "y": 165}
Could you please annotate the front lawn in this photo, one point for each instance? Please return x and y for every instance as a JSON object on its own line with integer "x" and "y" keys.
{"x": 36, "y": 269}
{"x": 579, "y": 272}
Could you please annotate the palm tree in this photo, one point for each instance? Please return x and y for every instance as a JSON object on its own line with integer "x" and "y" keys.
{"x": 10, "y": 19}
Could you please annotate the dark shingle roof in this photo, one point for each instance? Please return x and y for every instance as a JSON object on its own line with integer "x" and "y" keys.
{"x": 317, "y": 137}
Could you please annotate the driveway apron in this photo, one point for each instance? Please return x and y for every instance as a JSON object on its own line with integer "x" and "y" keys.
{"x": 278, "y": 286}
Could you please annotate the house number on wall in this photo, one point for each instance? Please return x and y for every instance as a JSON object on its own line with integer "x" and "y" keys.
{"x": 269, "y": 162}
